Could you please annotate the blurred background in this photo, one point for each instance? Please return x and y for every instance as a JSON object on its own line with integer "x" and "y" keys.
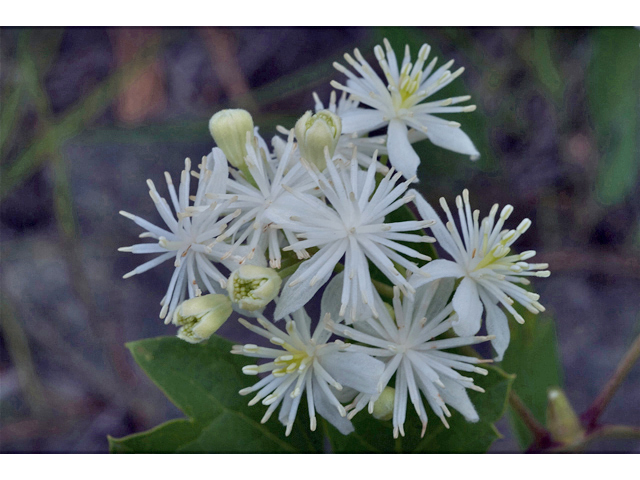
{"x": 87, "y": 115}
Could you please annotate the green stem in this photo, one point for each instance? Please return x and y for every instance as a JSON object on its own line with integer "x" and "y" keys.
{"x": 383, "y": 289}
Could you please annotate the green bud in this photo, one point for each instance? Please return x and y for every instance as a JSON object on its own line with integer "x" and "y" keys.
{"x": 383, "y": 406}
{"x": 253, "y": 287}
{"x": 317, "y": 132}
{"x": 199, "y": 317}
{"x": 229, "y": 129}
{"x": 562, "y": 420}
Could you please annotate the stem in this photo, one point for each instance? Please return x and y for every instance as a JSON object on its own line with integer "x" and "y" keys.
{"x": 604, "y": 431}
{"x": 590, "y": 416}
{"x": 383, "y": 289}
{"x": 290, "y": 270}
{"x": 541, "y": 436}
{"x": 615, "y": 431}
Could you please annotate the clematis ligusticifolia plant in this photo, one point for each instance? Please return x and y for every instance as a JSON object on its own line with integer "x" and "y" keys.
{"x": 324, "y": 214}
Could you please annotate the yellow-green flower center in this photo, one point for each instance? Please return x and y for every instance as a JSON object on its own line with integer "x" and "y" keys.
{"x": 243, "y": 288}
{"x": 292, "y": 361}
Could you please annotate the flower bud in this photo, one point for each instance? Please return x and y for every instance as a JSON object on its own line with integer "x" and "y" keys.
{"x": 315, "y": 132}
{"x": 199, "y": 317}
{"x": 229, "y": 130}
{"x": 253, "y": 287}
{"x": 383, "y": 406}
{"x": 562, "y": 420}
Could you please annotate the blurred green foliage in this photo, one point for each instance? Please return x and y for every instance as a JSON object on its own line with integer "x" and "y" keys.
{"x": 614, "y": 99}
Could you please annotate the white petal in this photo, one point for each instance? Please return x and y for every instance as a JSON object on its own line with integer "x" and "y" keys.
{"x": 455, "y": 395}
{"x": 440, "y": 297}
{"x": 361, "y": 120}
{"x": 439, "y": 230}
{"x": 451, "y": 138}
{"x": 468, "y": 306}
{"x": 355, "y": 370}
{"x": 346, "y": 395}
{"x": 331, "y": 298}
{"x": 293, "y": 298}
{"x": 497, "y": 325}
{"x": 437, "y": 269}
{"x": 401, "y": 154}
{"x": 328, "y": 411}
{"x": 285, "y": 407}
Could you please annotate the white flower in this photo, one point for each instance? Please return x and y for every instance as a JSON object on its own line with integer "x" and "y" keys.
{"x": 412, "y": 352}
{"x": 489, "y": 274}
{"x": 189, "y": 240}
{"x": 306, "y": 363}
{"x": 353, "y": 228}
{"x": 256, "y": 196}
{"x": 396, "y": 103}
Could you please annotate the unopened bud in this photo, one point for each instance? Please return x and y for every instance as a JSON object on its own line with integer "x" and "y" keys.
{"x": 562, "y": 420}
{"x": 383, "y": 406}
{"x": 317, "y": 132}
{"x": 229, "y": 130}
{"x": 253, "y": 287}
{"x": 199, "y": 317}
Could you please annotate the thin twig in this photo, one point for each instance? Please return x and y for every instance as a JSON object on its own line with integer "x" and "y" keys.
{"x": 541, "y": 436}
{"x": 615, "y": 431}
{"x": 603, "y": 431}
{"x": 590, "y": 416}
{"x": 221, "y": 45}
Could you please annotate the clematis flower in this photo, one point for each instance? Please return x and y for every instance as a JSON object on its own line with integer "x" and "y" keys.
{"x": 397, "y": 103}
{"x": 412, "y": 352}
{"x": 256, "y": 195}
{"x": 306, "y": 363}
{"x": 190, "y": 241}
{"x": 489, "y": 273}
{"x": 352, "y": 227}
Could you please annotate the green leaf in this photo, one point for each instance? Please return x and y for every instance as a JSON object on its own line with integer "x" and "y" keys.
{"x": 203, "y": 380}
{"x": 373, "y": 436}
{"x": 533, "y": 357}
{"x": 165, "y": 438}
{"x": 613, "y": 81}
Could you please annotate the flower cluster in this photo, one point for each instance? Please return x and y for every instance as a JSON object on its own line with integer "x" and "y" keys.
{"x": 256, "y": 224}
